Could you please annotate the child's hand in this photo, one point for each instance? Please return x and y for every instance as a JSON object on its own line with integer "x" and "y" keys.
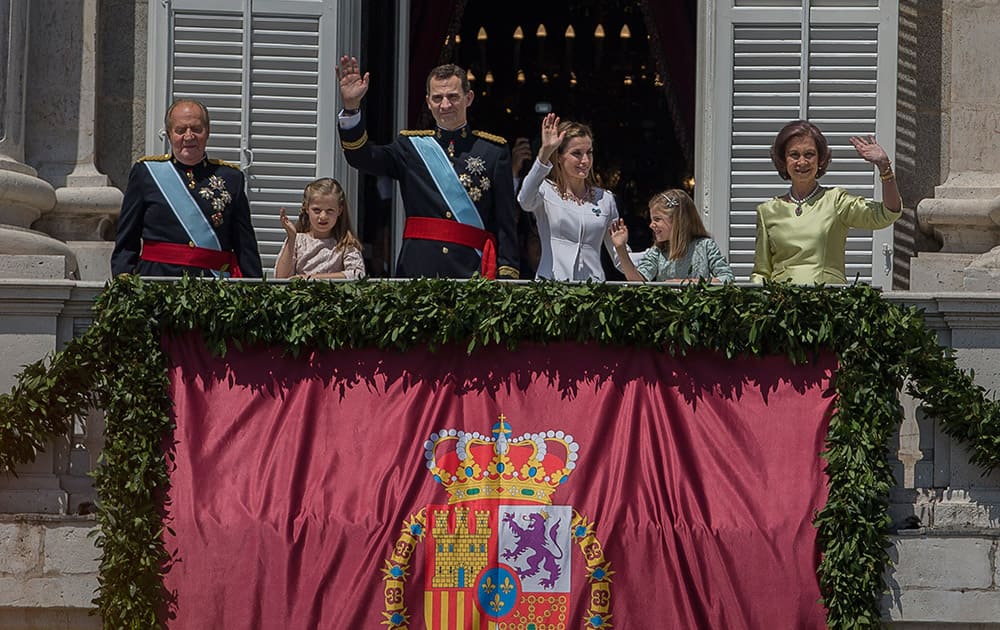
{"x": 619, "y": 234}
{"x": 288, "y": 225}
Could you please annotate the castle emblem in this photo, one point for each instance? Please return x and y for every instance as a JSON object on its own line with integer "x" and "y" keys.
{"x": 499, "y": 553}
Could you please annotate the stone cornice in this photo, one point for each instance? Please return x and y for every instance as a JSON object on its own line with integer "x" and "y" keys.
{"x": 36, "y": 297}
{"x": 954, "y": 310}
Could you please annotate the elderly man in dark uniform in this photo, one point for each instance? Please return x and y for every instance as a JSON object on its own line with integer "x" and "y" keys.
{"x": 456, "y": 183}
{"x": 184, "y": 213}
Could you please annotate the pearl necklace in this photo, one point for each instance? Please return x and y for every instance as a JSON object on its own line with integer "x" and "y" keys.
{"x": 568, "y": 195}
{"x": 798, "y": 202}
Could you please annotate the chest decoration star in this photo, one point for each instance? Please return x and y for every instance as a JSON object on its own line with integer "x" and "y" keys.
{"x": 474, "y": 178}
{"x": 217, "y": 195}
{"x": 475, "y": 165}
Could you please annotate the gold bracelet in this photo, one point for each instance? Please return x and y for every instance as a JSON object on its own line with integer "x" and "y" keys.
{"x": 888, "y": 175}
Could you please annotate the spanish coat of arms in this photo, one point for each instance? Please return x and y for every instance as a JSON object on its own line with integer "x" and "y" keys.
{"x": 499, "y": 555}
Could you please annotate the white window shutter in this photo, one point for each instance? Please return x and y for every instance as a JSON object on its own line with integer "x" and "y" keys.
{"x": 265, "y": 70}
{"x": 837, "y": 69}
{"x": 283, "y": 121}
{"x": 208, "y": 65}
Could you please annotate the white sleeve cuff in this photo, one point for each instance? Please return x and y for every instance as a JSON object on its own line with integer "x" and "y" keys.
{"x": 348, "y": 122}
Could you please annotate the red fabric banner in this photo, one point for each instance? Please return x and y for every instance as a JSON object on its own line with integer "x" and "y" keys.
{"x": 566, "y": 486}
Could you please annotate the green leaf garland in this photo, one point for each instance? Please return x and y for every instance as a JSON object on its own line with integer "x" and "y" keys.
{"x": 119, "y": 366}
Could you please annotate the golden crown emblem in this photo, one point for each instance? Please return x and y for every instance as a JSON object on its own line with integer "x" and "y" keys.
{"x": 472, "y": 466}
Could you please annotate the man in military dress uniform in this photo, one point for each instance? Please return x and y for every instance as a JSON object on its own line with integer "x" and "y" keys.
{"x": 184, "y": 213}
{"x": 456, "y": 183}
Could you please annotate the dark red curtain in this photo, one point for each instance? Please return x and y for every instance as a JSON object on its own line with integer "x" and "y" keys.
{"x": 566, "y": 486}
{"x": 431, "y": 22}
{"x": 675, "y": 52}
{"x": 673, "y": 46}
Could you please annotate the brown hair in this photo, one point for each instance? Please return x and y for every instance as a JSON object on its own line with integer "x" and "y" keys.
{"x": 795, "y": 129}
{"x": 187, "y": 101}
{"x": 342, "y": 231}
{"x": 572, "y": 130}
{"x": 445, "y": 72}
{"x": 687, "y": 224}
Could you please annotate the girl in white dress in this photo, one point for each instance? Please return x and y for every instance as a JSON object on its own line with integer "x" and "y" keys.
{"x": 572, "y": 213}
{"x": 321, "y": 244}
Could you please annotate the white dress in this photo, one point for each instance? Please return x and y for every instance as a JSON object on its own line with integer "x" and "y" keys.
{"x": 320, "y": 255}
{"x": 571, "y": 233}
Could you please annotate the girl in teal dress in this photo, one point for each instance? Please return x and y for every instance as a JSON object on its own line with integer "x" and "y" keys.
{"x": 682, "y": 248}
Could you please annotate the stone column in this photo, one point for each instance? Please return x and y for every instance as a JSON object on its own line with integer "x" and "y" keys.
{"x": 964, "y": 214}
{"x": 28, "y": 306}
{"x": 87, "y": 206}
{"x": 23, "y": 196}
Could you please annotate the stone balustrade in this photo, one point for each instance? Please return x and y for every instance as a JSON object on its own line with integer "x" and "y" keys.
{"x": 945, "y": 512}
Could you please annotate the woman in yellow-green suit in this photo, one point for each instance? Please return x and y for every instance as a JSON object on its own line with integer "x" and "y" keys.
{"x": 801, "y": 235}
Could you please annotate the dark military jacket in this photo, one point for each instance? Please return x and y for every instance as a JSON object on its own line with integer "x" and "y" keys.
{"x": 482, "y": 162}
{"x": 219, "y": 190}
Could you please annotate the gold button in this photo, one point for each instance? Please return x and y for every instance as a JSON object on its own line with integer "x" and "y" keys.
{"x": 447, "y": 215}
{"x": 190, "y": 243}
{"x": 444, "y": 250}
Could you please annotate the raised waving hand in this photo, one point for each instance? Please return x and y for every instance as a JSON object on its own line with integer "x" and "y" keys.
{"x": 551, "y": 138}
{"x": 353, "y": 85}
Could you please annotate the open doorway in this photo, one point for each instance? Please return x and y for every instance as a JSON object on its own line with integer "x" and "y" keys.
{"x": 593, "y": 62}
{"x": 624, "y": 67}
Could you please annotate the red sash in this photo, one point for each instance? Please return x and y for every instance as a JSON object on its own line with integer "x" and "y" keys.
{"x": 458, "y": 233}
{"x": 190, "y": 256}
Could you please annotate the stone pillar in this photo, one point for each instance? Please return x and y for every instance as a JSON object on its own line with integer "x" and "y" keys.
{"x": 964, "y": 214}
{"x": 23, "y": 196}
{"x": 87, "y": 206}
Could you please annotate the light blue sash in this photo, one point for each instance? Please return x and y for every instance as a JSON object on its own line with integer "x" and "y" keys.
{"x": 446, "y": 180}
{"x": 185, "y": 208}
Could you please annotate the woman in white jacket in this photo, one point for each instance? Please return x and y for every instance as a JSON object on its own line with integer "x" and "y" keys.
{"x": 572, "y": 213}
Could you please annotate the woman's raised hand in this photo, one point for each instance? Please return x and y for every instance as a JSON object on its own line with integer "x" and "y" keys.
{"x": 353, "y": 86}
{"x": 288, "y": 225}
{"x": 551, "y": 138}
{"x": 870, "y": 151}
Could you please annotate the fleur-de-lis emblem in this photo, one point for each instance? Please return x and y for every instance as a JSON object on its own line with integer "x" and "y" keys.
{"x": 488, "y": 585}
{"x": 507, "y": 586}
{"x": 496, "y": 604}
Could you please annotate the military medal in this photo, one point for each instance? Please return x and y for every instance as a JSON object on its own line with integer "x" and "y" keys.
{"x": 216, "y": 194}
{"x": 475, "y": 165}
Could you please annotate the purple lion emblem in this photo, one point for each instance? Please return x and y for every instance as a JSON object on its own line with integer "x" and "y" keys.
{"x": 532, "y": 539}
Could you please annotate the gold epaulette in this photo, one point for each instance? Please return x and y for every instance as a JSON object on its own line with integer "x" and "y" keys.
{"x": 154, "y": 158}
{"x": 224, "y": 163}
{"x": 491, "y": 137}
{"x": 417, "y": 132}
